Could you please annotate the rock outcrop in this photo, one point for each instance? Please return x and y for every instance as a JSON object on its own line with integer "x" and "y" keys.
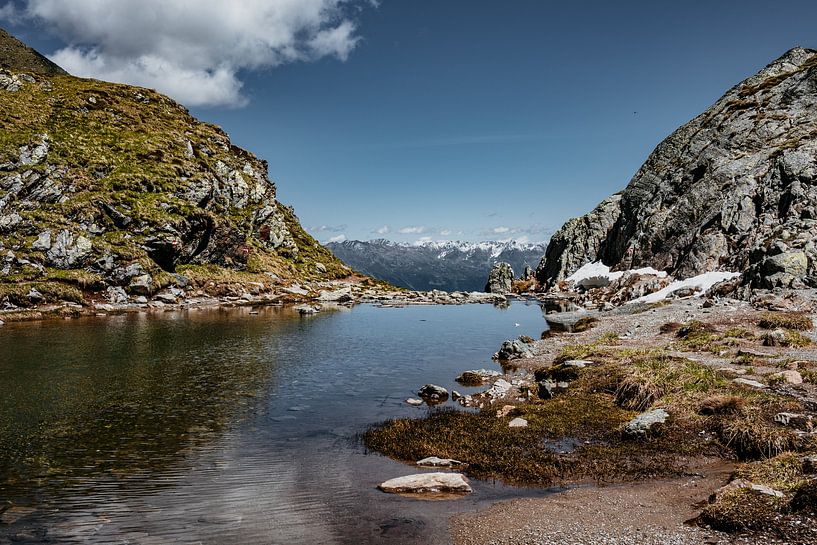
{"x": 106, "y": 185}
{"x": 500, "y": 279}
{"x": 734, "y": 189}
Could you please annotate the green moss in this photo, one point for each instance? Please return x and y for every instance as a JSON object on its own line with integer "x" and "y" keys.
{"x": 532, "y": 455}
{"x": 51, "y": 292}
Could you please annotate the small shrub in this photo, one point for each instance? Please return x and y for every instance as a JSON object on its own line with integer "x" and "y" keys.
{"x": 584, "y": 324}
{"x": 721, "y": 404}
{"x": 790, "y": 339}
{"x": 787, "y": 320}
{"x": 670, "y": 327}
{"x": 752, "y": 435}
{"x": 805, "y": 496}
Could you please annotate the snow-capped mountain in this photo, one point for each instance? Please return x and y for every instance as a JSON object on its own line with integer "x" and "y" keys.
{"x": 449, "y": 266}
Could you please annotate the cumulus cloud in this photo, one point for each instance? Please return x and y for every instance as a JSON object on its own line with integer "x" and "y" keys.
{"x": 500, "y": 230}
{"x": 193, "y": 51}
{"x": 413, "y": 230}
{"x": 383, "y": 230}
{"x": 338, "y": 238}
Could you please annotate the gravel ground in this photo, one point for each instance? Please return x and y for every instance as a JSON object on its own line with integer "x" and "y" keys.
{"x": 648, "y": 513}
{"x": 644, "y": 513}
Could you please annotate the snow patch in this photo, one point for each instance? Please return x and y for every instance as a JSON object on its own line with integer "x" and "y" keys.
{"x": 700, "y": 283}
{"x": 597, "y": 274}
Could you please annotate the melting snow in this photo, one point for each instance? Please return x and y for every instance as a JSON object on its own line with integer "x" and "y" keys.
{"x": 598, "y": 274}
{"x": 702, "y": 282}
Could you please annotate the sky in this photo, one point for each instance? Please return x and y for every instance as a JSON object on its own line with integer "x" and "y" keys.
{"x": 429, "y": 119}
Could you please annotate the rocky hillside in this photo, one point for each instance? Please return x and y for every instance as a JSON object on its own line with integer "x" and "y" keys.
{"x": 105, "y": 185}
{"x": 734, "y": 189}
{"x": 447, "y": 266}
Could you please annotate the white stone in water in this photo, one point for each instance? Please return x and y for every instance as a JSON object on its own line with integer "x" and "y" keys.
{"x": 518, "y": 423}
{"x": 427, "y": 483}
{"x": 415, "y": 402}
{"x": 433, "y": 461}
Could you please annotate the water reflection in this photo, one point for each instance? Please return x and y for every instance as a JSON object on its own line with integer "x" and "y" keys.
{"x": 225, "y": 427}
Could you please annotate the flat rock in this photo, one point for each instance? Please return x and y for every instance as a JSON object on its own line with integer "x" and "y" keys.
{"x": 428, "y": 483}
{"x": 749, "y": 382}
{"x": 415, "y": 402}
{"x": 518, "y": 423}
{"x": 433, "y": 461}
{"x": 789, "y": 377}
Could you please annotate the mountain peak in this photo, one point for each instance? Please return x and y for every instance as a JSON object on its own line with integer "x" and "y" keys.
{"x": 18, "y": 57}
{"x": 734, "y": 189}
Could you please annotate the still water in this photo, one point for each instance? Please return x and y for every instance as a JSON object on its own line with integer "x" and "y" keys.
{"x": 223, "y": 426}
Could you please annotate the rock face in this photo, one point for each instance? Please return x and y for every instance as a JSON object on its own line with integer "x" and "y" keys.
{"x": 82, "y": 189}
{"x": 500, "y": 279}
{"x": 734, "y": 189}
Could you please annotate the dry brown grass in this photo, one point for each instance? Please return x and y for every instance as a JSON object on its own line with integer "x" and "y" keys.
{"x": 799, "y": 321}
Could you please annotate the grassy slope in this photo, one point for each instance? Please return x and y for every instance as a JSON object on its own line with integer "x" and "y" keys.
{"x": 128, "y": 147}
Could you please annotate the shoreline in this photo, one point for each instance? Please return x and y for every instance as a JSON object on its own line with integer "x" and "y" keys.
{"x": 729, "y": 349}
{"x": 313, "y": 297}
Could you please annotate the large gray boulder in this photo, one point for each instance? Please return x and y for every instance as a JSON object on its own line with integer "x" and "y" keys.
{"x": 500, "y": 279}
{"x": 428, "y": 483}
{"x": 733, "y": 189}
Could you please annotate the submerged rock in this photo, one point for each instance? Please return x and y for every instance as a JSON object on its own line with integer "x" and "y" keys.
{"x": 427, "y": 483}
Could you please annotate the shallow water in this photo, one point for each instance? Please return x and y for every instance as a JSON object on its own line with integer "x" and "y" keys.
{"x": 221, "y": 426}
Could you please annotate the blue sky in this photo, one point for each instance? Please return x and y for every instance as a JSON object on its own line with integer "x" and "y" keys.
{"x": 444, "y": 119}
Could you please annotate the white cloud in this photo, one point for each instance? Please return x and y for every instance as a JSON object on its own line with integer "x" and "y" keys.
{"x": 193, "y": 51}
{"x": 383, "y": 230}
{"x": 500, "y": 230}
{"x": 9, "y": 13}
{"x": 338, "y": 238}
{"x": 445, "y": 232}
{"x": 413, "y": 230}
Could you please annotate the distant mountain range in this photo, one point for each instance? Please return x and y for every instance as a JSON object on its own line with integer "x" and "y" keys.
{"x": 448, "y": 266}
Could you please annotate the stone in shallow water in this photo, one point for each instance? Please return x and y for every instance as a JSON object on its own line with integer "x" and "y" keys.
{"x": 433, "y": 393}
{"x": 415, "y": 402}
{"x": 428, "y": 483}
{"x": 433, "y": 461}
